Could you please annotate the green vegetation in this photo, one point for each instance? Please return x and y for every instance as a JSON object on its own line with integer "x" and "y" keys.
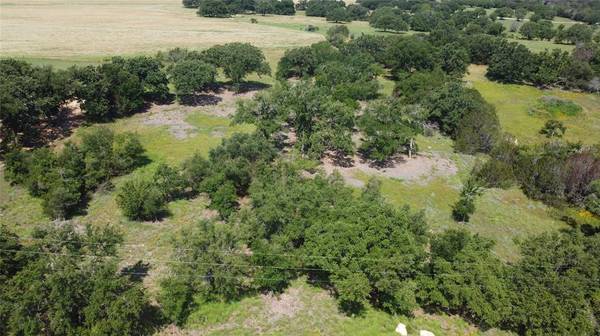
{"x": 514, "y": 104}
{"x": 461, "y": 189}
{"x": 555, "y": 107}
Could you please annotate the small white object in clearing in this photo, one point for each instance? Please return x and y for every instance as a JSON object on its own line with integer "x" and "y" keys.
{"x": 426, "y": 333}
{"x": 401, "y": 329}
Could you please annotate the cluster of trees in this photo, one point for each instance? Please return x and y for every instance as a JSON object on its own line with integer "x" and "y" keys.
{"x": 370, "y": 253}
{"x": 427, "y": 90}
{"x": 514, "y": 63}
{"x": 193, "y": 72}
{"x": 65, "y": 282}
{"x": 279, "y": 7}
{"x": 34, "y": 99}
{"x": 388, "y": 127}
{"x": 544, "y": 30}
{"x": 319, "y": 121}
{"x": 581, "y": 10}
{"x": 64, "y": 179}
{"x": 226, "y": 8}
{"x": 28, "y": 95}
{"x": 224, "y": 177}
{"x": 556, "y": 172}
{"x": 120, "y": 87}
{"x": 387, "y": 18}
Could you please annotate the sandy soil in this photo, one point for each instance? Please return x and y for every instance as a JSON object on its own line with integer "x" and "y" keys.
{"x": 418, "y": 168}
{"x": 284, "y": 305}
{"x": 173, "y": 116}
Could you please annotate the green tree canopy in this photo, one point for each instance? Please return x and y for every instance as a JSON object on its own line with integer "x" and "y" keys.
{"x": 238, "y": 60}
{"x": 192, "y": 76}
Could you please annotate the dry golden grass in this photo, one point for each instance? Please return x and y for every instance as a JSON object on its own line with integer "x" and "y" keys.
{"x": 80, "y": 29}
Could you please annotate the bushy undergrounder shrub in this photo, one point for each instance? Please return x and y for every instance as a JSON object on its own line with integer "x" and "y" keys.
{"x": 592, "y": 201}
{"x": 141, "y": 199}
{"x": 555, "y": 107}
{"x": 62, "y": 180}
{"x": 465, "y": 207}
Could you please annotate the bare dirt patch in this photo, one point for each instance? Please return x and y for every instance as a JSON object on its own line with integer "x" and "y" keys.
{"x": 173, "y": 116}
{"x": 227, "y": 105}
{"x": 418, "y": 168}
{"x": 285, "y": 305}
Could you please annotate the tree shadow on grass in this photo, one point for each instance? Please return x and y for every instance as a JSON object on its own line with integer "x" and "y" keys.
{"x": 241, "y": 88}
{"x": 341, "y": 159}
{"x": 200, "y": 100}
{"x": 136, "y": 272}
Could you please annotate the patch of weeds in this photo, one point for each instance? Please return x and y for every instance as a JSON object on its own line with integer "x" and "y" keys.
{"x": 555, "y": 107}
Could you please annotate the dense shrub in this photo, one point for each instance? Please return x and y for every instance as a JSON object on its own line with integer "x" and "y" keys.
{"x": 463, "y": 275}
{"x": 62, "y": 180}
{"x": 510, "y": 62}
{"x": 53, "y": 287}
{"x": 141, "y": 199}
{"x": 336, "y": 35}
{"x": 465, "y": 206}
{"x": 465, "y": 116}
{"x": 416, "y": 87}
{"x": 190, "y": 3}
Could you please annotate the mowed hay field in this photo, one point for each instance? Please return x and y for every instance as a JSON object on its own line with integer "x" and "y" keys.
{"x": 83, "y": 30}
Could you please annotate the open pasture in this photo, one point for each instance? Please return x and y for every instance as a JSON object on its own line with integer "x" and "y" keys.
{"x": 514, "y": 104}
{"x": 81, "y": 31}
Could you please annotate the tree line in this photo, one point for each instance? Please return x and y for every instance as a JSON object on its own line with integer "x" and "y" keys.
{"x": 227, "y": 8}
{"x": 424, "y": 15}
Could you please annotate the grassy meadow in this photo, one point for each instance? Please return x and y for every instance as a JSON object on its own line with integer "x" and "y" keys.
{"x": 515, "y": 105}
{"x": 62, "y": 33}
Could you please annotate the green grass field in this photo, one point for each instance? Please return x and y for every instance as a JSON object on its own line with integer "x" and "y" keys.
{"x": 514, "y": 104}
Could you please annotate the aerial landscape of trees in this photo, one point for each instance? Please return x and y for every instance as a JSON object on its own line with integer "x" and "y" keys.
{"x": 275, "y": 214}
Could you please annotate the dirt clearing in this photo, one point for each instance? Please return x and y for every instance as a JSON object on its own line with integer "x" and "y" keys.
{"x": 419, "y": 168}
